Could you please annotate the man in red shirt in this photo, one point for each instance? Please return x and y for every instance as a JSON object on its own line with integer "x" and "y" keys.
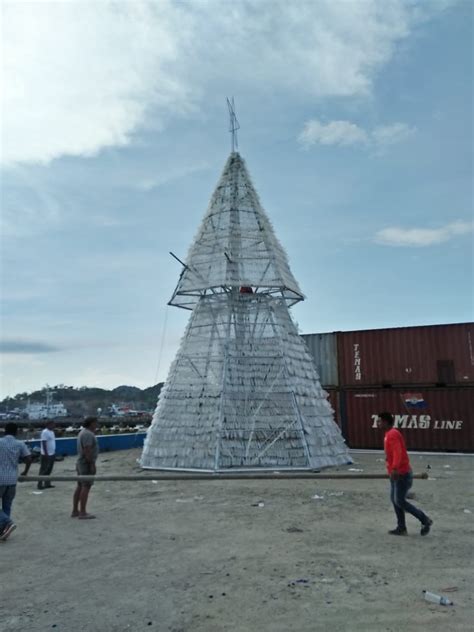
{"x": 401, "y": 477}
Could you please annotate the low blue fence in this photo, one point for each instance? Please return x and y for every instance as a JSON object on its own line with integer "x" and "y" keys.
{"x": 107, "y": 443}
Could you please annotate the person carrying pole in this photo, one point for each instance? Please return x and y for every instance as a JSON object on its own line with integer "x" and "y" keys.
{"x": 87, "y": 451}
{"x": 48, "y": 454}
{"x": 12, "y": 452}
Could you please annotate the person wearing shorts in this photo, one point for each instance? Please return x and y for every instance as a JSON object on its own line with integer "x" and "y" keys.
{"x": 87, "y": 451}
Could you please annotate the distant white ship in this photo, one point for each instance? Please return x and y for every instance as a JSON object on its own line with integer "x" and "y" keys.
{"x": 47, "y": 410}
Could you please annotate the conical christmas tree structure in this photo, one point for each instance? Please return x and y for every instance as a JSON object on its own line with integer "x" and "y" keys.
{"x": 243, "y": 391}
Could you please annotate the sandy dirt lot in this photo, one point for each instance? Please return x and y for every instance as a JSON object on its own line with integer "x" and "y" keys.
{"x": 200, "y": 557}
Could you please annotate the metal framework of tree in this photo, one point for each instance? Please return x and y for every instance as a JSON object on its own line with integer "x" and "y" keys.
{"x": 242, "y": 391}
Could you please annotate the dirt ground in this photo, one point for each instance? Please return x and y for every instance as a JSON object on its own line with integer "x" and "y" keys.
{"x": 201, "y": 557}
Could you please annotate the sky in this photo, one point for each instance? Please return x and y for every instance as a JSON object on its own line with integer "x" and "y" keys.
{"x": 356, "y": 126}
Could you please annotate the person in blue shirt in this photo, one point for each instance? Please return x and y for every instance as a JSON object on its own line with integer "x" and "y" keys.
{"x": 12, "y": 452}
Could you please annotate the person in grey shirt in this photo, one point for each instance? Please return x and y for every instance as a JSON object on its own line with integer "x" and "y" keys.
{"x": 87, "y": 451}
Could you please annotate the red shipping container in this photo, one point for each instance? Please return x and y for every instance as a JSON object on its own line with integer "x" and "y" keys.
{"x": 333, "y": 397}
{"x": 439, "y": 419}
{"x": 437, "y": 354}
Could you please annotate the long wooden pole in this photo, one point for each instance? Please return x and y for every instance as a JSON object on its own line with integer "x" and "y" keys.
{"x": 238, "y": 476}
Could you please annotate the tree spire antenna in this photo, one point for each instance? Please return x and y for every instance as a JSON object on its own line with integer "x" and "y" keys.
{"x": 233, "y": 124}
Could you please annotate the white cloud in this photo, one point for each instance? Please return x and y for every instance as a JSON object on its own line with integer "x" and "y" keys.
{"x": 385, "y": 135}
{"x": 78, "y": 76}
{"x": 81, "y": 76}
{"x": 174, "y": 173}
{"x": 30, "y": 206}
{"x": 419, "y": 237}
{"x": 348, "y": 133}
{"x": 333, "y": 133}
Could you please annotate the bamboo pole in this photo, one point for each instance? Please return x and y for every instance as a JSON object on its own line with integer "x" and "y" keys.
{"x": 240, "y": 476}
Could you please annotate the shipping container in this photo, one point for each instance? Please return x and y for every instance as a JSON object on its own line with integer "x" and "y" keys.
{"x": 438, "y": 419}
{"x": 333, "y": 397}
{"x": 439, "y": 355}
{"x": 323, "y": 350}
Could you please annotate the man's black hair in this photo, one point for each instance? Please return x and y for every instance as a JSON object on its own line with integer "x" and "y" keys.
{"x": 88, "y": 421}
{"x": 388, "y": 417}
{"x": 11, "y": 428}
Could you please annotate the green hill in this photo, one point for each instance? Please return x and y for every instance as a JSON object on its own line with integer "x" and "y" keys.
{"x": 86, "y": 400}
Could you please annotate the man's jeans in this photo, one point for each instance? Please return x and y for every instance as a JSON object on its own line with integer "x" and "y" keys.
{"x": 398, "y": 491}
{"x": 7, "y": 494}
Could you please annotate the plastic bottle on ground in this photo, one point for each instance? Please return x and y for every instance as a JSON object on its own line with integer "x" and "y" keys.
{"x": 434, "y": 598}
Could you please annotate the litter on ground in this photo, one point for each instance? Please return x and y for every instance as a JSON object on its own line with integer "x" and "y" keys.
{"x": 297, "y": 582}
